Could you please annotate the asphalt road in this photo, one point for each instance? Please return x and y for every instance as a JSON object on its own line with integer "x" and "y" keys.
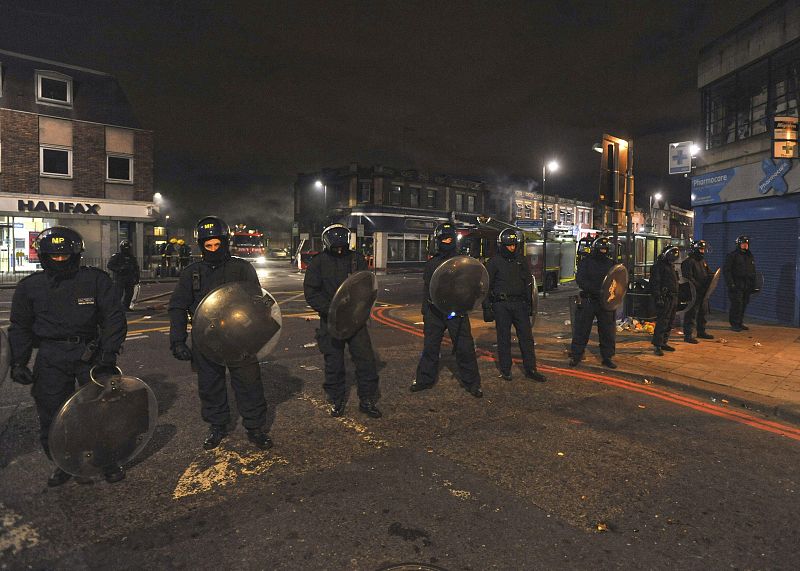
{"x": 582, "y": 471}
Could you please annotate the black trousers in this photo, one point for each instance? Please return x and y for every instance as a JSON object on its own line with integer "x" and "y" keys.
{"x": 664, "y": 317}
{"x": 461, "y": 335}
{"x": 57, "y": 368}
{"x": 585, "y": 313}
{"x": 247, "y": 387}
{"x": 363, "y": 356}
{"x": 506, "y": 314}
{"x": 695, "y": 314}
{"x": 125, "y": 293}
{"x": 739, "y": 300}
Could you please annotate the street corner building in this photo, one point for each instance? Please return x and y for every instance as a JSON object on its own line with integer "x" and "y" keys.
{"x": 71, "y": 154}
{"x": 748, "y": 77}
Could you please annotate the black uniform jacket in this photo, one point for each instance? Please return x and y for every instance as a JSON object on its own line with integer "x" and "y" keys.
{"x": 592, "y": 270}
{"x": 125, "y": 268}
{"x": 663, "y": 279}
{"x": 509, "y": 276}
{"x": 324, "y": 275}
{"x": 199, "y": 278}
{"x": 80, "y": 304}
{"x": 740, "y": 270}
{"x": 696, "y": 270}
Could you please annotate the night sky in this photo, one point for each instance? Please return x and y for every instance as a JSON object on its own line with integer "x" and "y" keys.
{"x": 242, "y": 96}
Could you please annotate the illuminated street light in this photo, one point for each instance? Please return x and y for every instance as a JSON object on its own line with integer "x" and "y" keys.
{"x": 552, "y": 166}
{"x": 694, "y": 149}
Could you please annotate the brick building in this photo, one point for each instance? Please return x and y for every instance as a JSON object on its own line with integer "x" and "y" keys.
{"x": 72, "y": 154}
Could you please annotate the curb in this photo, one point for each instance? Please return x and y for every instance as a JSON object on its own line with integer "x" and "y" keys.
{"x": 713, "y": 392}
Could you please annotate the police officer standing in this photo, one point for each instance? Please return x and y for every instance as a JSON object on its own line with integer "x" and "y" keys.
{"x": 125, "y": 269}
{"x": 73, "y": 315}
{"x": 592, "y": 271}
{"x": 695, "y": 269}
{"x": 664, "y": 289}
{"x": 510, "y": 302}
{"x": 436, "y": 323}
{"x": 325, "y": 273}
{"x": 216, "y": 268}
{"x": 740, "y": 277}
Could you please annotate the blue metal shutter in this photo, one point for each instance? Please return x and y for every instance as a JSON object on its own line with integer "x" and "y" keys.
{"x": 774, "y": 245}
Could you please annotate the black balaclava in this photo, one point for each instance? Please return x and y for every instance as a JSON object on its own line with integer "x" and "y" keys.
{"x": 222, "y": 253}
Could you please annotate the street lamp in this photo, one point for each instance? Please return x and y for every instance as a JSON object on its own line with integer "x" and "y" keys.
{"x": 654, "y": 198}
{"x": 320, "y": 185}
{"x": 553, "y": 167}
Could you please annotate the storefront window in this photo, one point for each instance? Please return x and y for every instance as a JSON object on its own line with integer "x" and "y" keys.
{"x": 407, "y": 247}
{"x": 17, "y": 242}
{"x": 396, "y": 250}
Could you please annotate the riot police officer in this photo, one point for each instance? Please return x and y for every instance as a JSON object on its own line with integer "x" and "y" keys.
{"x": 325, "y": 273}
{"x": 216, "y": 268}
{"x": 592, "y": 271}
{"x": 510, "y": 301}
{"x": 664, "y": 290}
{"x": 73, "y": 315}
{"x": 695, "y": 269}
{"x": 740, "y": 277}
{"x": 125, "y": 269}
{"x": 436, "y": 322}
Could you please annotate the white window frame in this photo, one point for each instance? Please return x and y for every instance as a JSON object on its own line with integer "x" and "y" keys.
{"x": 129, "y": 180}
{"x": 55, "y": 148}
{"x": 54, "y": 75}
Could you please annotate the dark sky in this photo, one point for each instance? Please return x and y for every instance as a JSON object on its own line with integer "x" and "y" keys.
{"x": 244, "y": 95}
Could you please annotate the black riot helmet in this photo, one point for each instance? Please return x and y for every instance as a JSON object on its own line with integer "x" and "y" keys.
{"x": 743, "y": 240}
{"x": 213, "y": 227}
{"x": 125, "y": 247}
{"x": 508, "y": 237}
{"x": 441, "y": 233}
{"x": 59, "y": 241}
{"x": 670, "y": 253}
{"x": 336, "y": 239}
{"x": 601, "y": 244}
{"x": 698, "y": 248}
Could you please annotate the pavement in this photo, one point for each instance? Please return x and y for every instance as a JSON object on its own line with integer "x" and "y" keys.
{"x": 757, "y": 369}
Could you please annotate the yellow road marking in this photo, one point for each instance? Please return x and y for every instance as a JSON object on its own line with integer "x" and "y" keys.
{"x": 137, "y": 331}
{"x": 15, "y": 536}
{"x": 350, "y": 423}
{"x": 222, "y": 468}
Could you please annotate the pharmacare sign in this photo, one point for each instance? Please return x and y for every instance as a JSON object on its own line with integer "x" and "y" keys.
{"x": 55, "y": 206}
{"x": 766, "y": 178}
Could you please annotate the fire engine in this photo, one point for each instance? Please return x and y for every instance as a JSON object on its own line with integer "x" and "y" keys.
{"x": 249, "y": 244}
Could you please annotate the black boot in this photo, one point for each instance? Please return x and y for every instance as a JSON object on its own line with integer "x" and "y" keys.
{"x": 666, "y": 347}
{"x": 574, "y": 360}
{"x": 536, "y": 376}
{"x": 475, "y": 391}
{"x": 260, "y": 438}
{"x": 704, "y": 335}
{"x": 416, "y": 386}
{"x": 58, "y": 477}
{"x": 607, "y": 362}
{"x": 367, "y": 406}
{"x": 504, "y": 376}
{"x": 657, "y": 350}
{"x": 115, "y": 474}
{"x": 691, "y": 340}
{"x": 337, "y": 408}
{"x": 215, "y": 436}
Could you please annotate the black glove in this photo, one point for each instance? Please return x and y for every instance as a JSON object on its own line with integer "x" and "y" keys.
{"x": 488, "y": 313}
{"x": 107, "y": 359}
{"x": 21, "y": 374}
{"x": 323, "y": 315}
{"x": 181, "y": 352}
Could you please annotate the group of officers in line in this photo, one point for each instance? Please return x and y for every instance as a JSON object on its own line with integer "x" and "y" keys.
{"x": 75, "y": 316}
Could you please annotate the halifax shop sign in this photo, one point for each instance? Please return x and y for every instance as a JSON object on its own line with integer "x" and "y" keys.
{"x": 767, "y": 178}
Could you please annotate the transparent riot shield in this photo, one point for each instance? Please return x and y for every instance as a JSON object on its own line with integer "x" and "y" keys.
{"x": 614, "y": 288}
{"x": 459, "y": 285}
{"x": 351, "y": 305}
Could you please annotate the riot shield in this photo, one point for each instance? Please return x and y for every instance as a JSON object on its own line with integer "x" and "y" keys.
{"x": 136, "y": 290}
{"x": 614, "y": 287}
{"x": 459, "y": 285}
{"x": 712, "y": 285}
{"x": 687, "y": 295}
{"x": 534, "y": 301}
{"x": 352, "y": 304}
{"x": 5, "y": 355}
{"x": 233, "y": 326}
{"x": 103, "y": 425}
{"x": 759, "y": 285}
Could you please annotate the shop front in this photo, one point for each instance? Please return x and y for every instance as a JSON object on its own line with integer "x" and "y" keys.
{"x": 102, "y": 223}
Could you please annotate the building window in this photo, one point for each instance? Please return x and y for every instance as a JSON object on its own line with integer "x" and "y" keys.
{"x": 119, "y": 169}
{"x": 459, "y": 202}
{"x": 407, "y": 248}
{"x": 395, "y": 195}
{"x": 470, "y": 203}
{"x": 431, "y": 200}
{"x": 413, "y": 197}
{"x": 55, "y": 162}
{"x": 52, "y": 87}
{"x": 365, "y": 191}
{"x": 528, "y": 211}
